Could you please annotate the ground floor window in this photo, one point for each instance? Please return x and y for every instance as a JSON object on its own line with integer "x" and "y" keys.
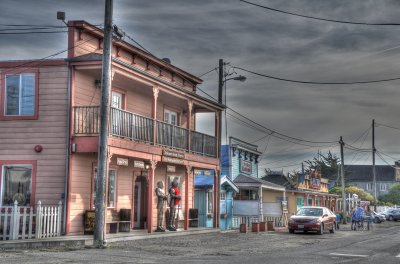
{"x": 210, "y": 196}
{"x": 246, "y": 195}
{"x": 112, "y": 188}
{"x": 16, "y": 184}
{"x": 222, "y": 195}
{"x": 310, "y": 201}
{"x": 300, "y": 202}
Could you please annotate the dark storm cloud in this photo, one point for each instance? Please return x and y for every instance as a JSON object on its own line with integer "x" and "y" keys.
{"x": 195, "y": 34}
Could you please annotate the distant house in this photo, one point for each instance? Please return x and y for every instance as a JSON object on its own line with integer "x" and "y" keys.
{"x": 362, "y": 177}
{"x": 305, "y": 190}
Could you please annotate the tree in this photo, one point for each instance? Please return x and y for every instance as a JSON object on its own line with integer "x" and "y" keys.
{"x": 362, "y": 195}
{"x": 393, "y": 196}
{"x": 327, "y": 164}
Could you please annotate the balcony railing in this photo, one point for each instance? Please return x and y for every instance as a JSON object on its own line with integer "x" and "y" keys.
{"x": 139, "y": 128}
{"x": 202, "y": 144}
{"x": 172, "y": 136}
{"x": 130, "y": 125}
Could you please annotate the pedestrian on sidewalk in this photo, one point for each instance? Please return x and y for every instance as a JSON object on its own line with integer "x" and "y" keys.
{"x": 357, "y": 217}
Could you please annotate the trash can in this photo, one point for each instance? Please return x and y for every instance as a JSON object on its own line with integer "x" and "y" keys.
{"x": 243, "y": 228}
{"x": 270, "y": 225}
{"x": 263, "y": 226}
{"x": 255, "y": 227}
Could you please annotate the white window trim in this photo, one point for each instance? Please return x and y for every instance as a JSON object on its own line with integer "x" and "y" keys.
{"x": 20, "y": 92}
{"x": 170, "y": 113}
{"x": 222, "y": 195}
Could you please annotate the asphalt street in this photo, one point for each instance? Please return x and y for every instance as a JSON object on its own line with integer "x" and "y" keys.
{"x": 380, "y": 245}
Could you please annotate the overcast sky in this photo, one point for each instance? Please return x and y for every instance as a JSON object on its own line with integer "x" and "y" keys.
{"x": 195, "y": 34}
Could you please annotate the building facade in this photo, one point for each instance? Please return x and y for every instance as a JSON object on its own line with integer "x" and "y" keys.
{"x": 49, "y": 139}
{"x": 362, "y": 177}
{"x": 307, "y": 190}
{"x": 255, "y": 198}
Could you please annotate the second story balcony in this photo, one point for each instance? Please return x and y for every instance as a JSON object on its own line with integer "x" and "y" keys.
{"x": 136, "y": 127}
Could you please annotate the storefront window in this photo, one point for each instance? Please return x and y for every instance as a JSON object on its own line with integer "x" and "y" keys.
{"x": 209, "y": 202}
{"x": 300, "y": 202}
{"x": 112, "y": 187}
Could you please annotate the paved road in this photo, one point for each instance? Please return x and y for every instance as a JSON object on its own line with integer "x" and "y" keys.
{"x": 381, "y": 245}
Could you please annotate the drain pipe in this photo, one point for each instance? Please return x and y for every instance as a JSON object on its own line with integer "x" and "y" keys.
{"x": 64, "y": 226}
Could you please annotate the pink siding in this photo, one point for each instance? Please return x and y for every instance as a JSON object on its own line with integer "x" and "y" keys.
{"x": 19, "y": 137}
{"x": 80, "y": 190}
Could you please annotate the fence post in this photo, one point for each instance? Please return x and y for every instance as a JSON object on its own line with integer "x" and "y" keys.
{"x": 59, "y": 218}
{"x": 14, "y": 226}
{"x": 38, "y": 226}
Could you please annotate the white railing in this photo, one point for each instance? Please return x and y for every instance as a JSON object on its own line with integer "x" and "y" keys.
{"x": 248, "y": 220}
{"x": 22, "y": 222}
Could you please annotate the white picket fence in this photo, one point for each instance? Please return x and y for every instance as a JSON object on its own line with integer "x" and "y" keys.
{"x": 22, "y": 222}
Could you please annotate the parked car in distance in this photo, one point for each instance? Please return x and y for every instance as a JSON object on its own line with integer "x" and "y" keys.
{"x": 378, "y": 218}
{"x": 313, "y": 218}
{"x": 392, "y": 214}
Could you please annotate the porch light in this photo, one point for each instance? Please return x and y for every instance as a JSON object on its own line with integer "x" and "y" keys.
{"x": 147, "y": 166}
{"x": 97, "y": 83}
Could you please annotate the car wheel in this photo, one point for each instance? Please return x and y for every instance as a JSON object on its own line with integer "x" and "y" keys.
{"x": 321, "y": 230}
{"x": 376, "y": 220}
{"x": 291, "y": 231}
{"x": 390, "y": 218}
{"x": 332, "y": 231}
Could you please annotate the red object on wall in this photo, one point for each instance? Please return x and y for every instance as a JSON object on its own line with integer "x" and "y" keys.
{"x": 38, "y": 148}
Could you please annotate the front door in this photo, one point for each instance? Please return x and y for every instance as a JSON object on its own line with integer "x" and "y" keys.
{"x": 137, "y": 202}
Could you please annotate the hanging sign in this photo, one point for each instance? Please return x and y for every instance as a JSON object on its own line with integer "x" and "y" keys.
{"x": 245, "y": 167}
{"x": 138, "y": 164}
{"x": 171, "y": 168}
{"x": 173, "y": 154}
{"x": 122, "y": 162}
{"x": 202, "y": 172}
{"x": 172, "y": 160}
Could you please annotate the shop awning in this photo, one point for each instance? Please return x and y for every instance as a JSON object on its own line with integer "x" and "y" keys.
{"x": 203, "y": 182}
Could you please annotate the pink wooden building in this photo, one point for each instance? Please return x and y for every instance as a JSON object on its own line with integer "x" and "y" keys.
{"x": 50, "y": 123}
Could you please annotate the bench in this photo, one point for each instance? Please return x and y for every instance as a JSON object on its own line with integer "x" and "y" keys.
{"x": 118, "y": 221}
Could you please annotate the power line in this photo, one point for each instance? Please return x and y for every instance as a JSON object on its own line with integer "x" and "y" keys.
{"x": 33, "y": 32}
{"x": 396, "y": 128}
{"x": 388, "y": 155}
{"x": 273, "y": 133}
{"x": 36, "y": 63}
{"x": 383, "y": 159}
{"x": 313, "y": 82}
{"x": 208, "y": 72}
{"x": 319, "y": 18}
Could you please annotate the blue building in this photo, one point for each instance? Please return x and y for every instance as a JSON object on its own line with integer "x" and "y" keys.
{"x": 243, "y": 194}
{"x": 203, "y": 197}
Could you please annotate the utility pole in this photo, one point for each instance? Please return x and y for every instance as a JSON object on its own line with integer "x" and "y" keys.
{"x": 342, "y": 178}
{"x": 99, "y": 237}
{"x": 220, "y": 79}
{"x": 373, "y": 162}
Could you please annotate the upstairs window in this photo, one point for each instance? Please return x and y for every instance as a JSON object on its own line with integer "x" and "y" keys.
{"x": 171, "y": 117}
{"x": 20, "y": 95}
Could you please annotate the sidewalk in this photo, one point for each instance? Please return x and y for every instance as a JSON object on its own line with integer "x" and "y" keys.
{"x": 87, "y": 240}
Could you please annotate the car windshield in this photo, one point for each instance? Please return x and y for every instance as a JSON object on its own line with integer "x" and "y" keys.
{"x": 310, "y": 212}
